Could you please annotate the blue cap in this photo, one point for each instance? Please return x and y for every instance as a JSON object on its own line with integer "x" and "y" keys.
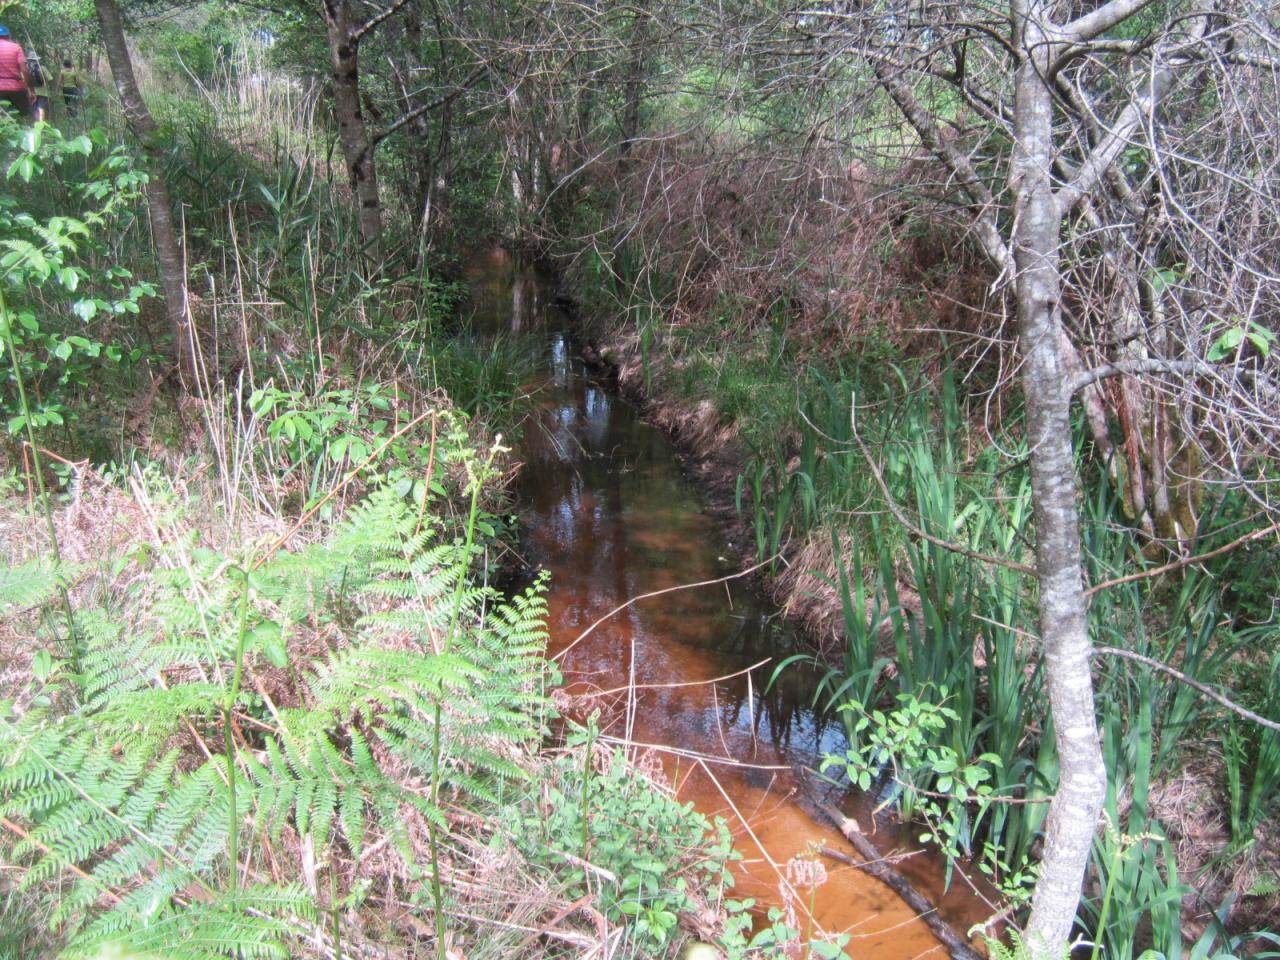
{"x": 4, "y": 31}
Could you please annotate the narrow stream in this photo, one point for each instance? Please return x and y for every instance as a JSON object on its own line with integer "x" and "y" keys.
{"x": 606, "y": 508}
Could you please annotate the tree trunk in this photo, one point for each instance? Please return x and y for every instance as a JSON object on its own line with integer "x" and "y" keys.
{"x": 633, "y": 79}
{"x": 1073, "y": 816}
{"x": 173, "y": 271}
{"x": 424, "y": 169}
{"x": 357, "y": 150}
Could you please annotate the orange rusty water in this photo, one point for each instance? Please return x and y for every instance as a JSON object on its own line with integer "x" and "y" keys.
{"x": 606, "y": 509}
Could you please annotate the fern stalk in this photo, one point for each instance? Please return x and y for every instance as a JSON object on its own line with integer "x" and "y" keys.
{"x": 38, "y": 470}
{"x": 228, "y": 735}
{"x": 462, "y": 566}
{"x": 586, "y": 787}
{"x": 334, "y": 911}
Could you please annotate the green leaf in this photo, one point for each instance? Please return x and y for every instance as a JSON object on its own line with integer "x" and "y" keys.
{"x": 1225, "y": 344}
{"x": 269, "y": 638}
{"x": 42, "y": 665}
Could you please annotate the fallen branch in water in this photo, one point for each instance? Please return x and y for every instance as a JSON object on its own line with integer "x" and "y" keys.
{"x": 878, "y": 866}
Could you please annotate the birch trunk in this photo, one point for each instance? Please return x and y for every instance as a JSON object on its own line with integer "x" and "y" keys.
{"x": 1077, "y": 804}
{"x": 169, "y": 256}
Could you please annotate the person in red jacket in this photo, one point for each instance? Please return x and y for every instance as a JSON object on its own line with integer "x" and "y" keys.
{"x": 15, "y": 80}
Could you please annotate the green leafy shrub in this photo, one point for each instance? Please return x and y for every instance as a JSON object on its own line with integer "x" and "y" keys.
{"x": 612, "y": 831}
{"x": 58, "y": 301}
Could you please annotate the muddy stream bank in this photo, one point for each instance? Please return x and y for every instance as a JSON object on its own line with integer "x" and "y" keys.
{"x": 606, "y": 508}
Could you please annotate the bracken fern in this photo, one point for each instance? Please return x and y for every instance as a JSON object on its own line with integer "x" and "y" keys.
{"x": 117, "y": 809}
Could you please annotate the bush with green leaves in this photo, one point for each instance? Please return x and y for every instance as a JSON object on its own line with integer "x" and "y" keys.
{"x": 61, "y": 291}
{"x": 601, "y": 827}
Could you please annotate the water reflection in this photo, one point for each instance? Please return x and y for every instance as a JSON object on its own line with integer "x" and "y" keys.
{"x": 606, "y": 509}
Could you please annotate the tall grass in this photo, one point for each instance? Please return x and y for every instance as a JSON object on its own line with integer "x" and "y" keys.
{"x": 1252, "y": 755}
{"x": 920, "y": 619}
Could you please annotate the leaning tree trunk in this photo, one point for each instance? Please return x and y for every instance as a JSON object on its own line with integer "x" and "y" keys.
{"x": 357, "y": 150}
{"x": 1077, "y": 804}
{"x": 173, "y": 271}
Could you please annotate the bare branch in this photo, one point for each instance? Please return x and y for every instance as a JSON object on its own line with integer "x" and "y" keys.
{"x": 1181, "y": 677}
{"x": 1135, "y": 367}
{"x": 359, "y": 33}
{"x": 468, "y": 82}
{"x": 984, "y": 220}
{"x": 1104, "y": 155}
{"x": 1102, "y": 19}
{"x": 1184, "y": 562}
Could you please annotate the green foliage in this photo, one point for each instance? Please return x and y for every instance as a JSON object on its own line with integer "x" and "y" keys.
{"x": 1019, "y": 949}
{"x": 185, "y": 46}
{"x": 604, "y": 829}
{"x": 1234, "y": 334}
{"x": 1251, "y": 758}
{"x": 316, "y": 438}
{"x": 900, "y": 754}
{"x": 774, "y": 937}
{"x": 29, "y": 584}
{"x": 489, "y": 378}
{"x": 138, "y": 841}
{"x": 651, "y": 857}
{"x": 56, "y": 295}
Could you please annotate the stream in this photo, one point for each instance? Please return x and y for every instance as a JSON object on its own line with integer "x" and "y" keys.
{"x": 606, "y": 508}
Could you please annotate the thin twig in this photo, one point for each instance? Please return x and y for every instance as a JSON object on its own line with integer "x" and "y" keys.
{"x": 846, "y": 859}
{"x": 1185, "y": 562}
{"x": 658, "y": 593}
{"x": 783, "y": 883}
{"x": 687, "y": 683}
{"x": 1178, "y": 675}
{"x": 359, "y": 33}
{"x": 692, "y": 754}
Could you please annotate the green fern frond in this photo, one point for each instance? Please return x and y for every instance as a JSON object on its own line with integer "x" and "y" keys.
{"x": 30, "y": 584}
{"x": 132, "y": 819}
{"x": 258, "y": 922}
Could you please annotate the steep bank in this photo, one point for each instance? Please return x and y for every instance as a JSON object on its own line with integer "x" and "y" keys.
{"x": 711, "y": 450}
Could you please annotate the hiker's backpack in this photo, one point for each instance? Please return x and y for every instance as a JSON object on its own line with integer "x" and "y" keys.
{"x": 33, "y": 68}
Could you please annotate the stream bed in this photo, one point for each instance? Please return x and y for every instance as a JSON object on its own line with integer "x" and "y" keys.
{"x": 605, "y": 507}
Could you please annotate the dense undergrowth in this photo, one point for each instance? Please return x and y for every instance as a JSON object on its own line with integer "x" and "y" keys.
{"x": 258, "y": 696}
{"x": 857, "y": 456}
